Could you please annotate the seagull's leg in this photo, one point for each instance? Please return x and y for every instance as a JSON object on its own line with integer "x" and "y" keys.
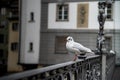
{"x": 75, "y": 57}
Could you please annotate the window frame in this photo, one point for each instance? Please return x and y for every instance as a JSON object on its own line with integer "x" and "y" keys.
{"x": 111, "y": 12}
{"x": 14, "y": 46}
{"x": 31, "y": 47}
{"x": 58, "y": 48}
{"x": 2, "y": 40}
{"x": 62, "y": 12}
{"x": 1, "y": 53}
{"x": 32, "y": 17}
{"x": 15, "y": 27}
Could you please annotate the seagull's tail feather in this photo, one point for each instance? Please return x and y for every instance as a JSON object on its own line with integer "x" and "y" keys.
{"x": 90, "y": 53}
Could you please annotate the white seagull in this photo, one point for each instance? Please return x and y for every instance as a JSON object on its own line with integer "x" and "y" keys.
{"x": 112, "y": 52}
{"x": 76, "y": 48}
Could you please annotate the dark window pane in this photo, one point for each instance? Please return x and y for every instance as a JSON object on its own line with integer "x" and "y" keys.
{"x": 14, "y": 46}
{"x": 31, "y": 46}
{"x": 60, "y": 17}
{"x": 65, "y": 17}
{"x": 1, "y": 56}
{"x": 60, "y": 12}
{"x": 109, "y": 6}
{"x": 2, "y": 26}
{"x": 108, "y": 11}
{"x": 65, "y": 12}
{"x": 15, "y": 27}
{"x": 1, "y": 52}
{"x": 60, "y": 7}
{"x": 1, "y": 38}
{"x": 109, "y": 16}
{"x": 32, "y": 16}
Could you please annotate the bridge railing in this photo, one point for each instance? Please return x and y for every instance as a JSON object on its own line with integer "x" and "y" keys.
{"x": 110, "y": 66}
{"x": 82, "y": 69}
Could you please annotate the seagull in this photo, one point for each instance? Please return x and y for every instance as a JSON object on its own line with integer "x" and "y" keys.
{"x": 76, "y": 48}
{"x": 112, "y": 52}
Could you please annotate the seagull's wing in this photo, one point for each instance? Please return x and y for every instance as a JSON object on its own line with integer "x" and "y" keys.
{"x": 81, "y": 47}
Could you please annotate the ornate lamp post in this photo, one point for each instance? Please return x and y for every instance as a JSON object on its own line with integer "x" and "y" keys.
{"x": 100, "y": 39}
{"x": 101, "y": 19}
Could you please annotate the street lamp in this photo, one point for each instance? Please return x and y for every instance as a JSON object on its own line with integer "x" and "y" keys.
{"x": 101, "y": 39}
{"x": 101, "y": 19}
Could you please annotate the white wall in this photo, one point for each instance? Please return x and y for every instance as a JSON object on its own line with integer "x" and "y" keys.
{"x": 117, "y": 14}
{"x": 72, "y": 23}
{"x": 30, "y": 31}
{"x": 61, "y": 25}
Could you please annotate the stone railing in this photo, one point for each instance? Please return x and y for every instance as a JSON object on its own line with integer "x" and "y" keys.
{"x": 82, "y": 69}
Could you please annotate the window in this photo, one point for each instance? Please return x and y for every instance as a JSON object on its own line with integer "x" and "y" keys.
{"x": 60, "y": 44}
{"x": 3, "y": 11}
{"x": 108, "y": 43}
{"x": 14, "y": 46}
{"x": 62, "y": 12}
{"x": 1, "y": 56}
{"x": 110, "y": 12}
{"x": 31, "y": 17}
{"x": 30, "y": 46}
{"x": 2, "y": 26}
{"x": 1, "y": 52}
{"x": 1, "y": 38}
{"x": 15, "y": 26}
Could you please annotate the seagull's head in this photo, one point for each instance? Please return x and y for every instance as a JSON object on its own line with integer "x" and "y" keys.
{"x": 69, "y": 38}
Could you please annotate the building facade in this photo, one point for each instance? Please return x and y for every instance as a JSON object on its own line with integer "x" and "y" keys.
{"x": 9, "y": 36}
{"x": 13, "y": 47}
{"x": 30, "y": 32}
{"x": 3, "y": 39}
{"x": 77, "y": 18}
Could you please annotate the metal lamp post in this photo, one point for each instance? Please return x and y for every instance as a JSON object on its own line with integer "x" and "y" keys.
{"x": 101, "y": 19}
{"x": 101, "y": 39}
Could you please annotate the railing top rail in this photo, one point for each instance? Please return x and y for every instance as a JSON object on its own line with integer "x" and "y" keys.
{"x": 42, "y": 70}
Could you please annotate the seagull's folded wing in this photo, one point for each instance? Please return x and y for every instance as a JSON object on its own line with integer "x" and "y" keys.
{"x": 81, "y": 47}
{"x": 78, "y": 46}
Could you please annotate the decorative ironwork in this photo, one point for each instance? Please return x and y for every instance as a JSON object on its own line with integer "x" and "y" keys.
{"x": 101, "y": 19}
{"x": 88, "y": 69}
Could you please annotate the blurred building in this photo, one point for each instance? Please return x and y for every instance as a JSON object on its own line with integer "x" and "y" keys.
{"x": 13, "y": 47}
{"x": 30, "y": 33}
{"x": 3, "y": 39}
{"x": 45, "y": 25}
{"x": 9, "y": 36}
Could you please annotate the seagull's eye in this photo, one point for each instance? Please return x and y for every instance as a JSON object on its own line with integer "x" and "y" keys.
{"x": 70, "y": 39}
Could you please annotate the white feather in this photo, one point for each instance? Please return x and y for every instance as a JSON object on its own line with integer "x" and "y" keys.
{"x": 76, "y": 48}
